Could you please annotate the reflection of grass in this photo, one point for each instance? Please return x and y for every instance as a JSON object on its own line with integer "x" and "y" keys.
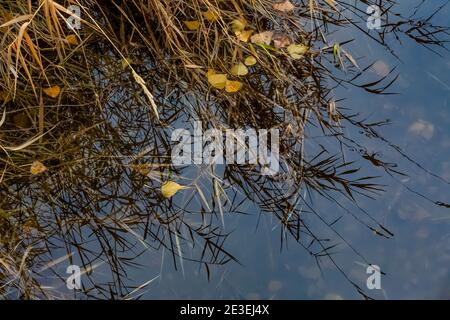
{"x": 134, "y": 71}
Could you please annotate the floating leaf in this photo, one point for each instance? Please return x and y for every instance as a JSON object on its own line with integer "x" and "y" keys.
{"x": 192, "y": 25}
{"x": 281, "y": 41}
{"x": 72, "y": 39}
{"x": 244, "y": 35}
{"x": 297, "y": 51}
{"x": 284, "y": 6}
{"x": 238, "y": 25}
{"x": 239, "y": 70}
{"x": 263, "y": 37}
{"x": 250, "y": 61}
{"x": 170, "y": 188}
{"x": 233, "y": 86}
{"x": 52, "y": 92}
{"x": 37, "y": 167}
{"x": 217, "y": 80}
{"x": 211, "y": 15}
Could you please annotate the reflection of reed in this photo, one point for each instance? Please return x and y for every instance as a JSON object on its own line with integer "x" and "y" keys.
{"x": 105, "y": 155}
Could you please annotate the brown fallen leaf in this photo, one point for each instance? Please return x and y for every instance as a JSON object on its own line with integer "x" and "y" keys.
{"x": 284, "y": 6}
{"x": 281, "y": 41}
{"x": 263, "y": 37}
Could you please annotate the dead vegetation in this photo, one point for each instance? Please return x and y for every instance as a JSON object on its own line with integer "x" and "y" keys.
{"x": 85, "y": 114}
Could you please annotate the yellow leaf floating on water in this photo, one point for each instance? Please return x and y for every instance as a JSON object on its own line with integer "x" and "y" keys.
{"x": 239, "y": 70}
{"x": 192, "y": 25}
{"x": 52, "y": 92}
{"x": 217, "y": 80}
{"x": 232, "y": 86}
{"x": 263, "y": 37}
{"x": 72, "y": 39}
{"x": 210, "y": 15}
{"x": 37, "y": 167}
{"x": 244, "y": 35}
{"x": 220, "y": 81}
{"x": 238, "y": 25}
{"x": 297, "y": 51}
{"x": 170, "y": 188}
{"x": 284, "y": 6}
{"x": 250, "y": 61}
